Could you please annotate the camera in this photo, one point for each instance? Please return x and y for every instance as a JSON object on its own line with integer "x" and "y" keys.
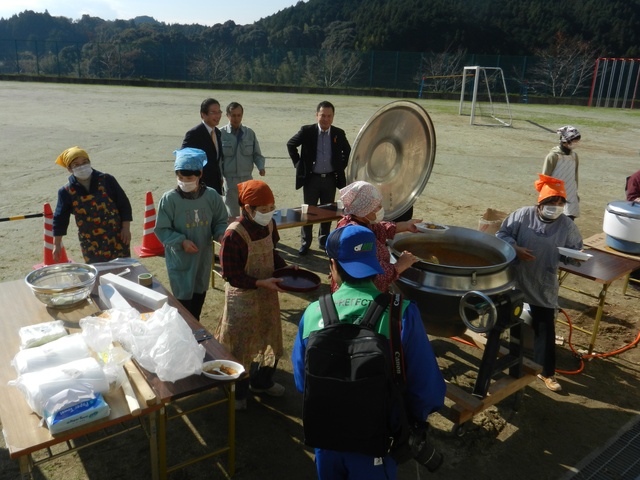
{"x": 416, "y": 446}
{"x": 423, "y": 452}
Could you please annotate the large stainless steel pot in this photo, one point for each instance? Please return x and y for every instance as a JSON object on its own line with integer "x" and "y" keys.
{"x": 622, "y": 226}
{"x": 466, "y": 260}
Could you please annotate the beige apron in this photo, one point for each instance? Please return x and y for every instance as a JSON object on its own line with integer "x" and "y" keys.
{"x": 250, "y": 327}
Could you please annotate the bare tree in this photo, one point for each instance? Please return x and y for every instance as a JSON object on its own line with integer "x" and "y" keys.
{"x": 441, "y": 71}
{"x": 563, "y": 68}
{"x": 332, "y": 68}
{"x": 214, "y": 64}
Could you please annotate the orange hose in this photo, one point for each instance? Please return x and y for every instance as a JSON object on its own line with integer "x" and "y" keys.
{"x": 584, "y": 357}
{"x": 580, "y": 356}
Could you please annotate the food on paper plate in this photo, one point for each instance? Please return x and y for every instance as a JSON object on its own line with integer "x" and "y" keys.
{"x": 427, "y": 227}
{"x": 220, "y": 370}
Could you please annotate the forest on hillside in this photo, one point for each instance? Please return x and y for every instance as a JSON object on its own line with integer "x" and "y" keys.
{"x": 353, "y": 43}
{"x": 496, "y": 27}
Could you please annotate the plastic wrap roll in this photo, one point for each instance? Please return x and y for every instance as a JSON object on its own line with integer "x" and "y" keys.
{"x": 41, "y": 333}
{"x": 60, "y": 351}
{"x": 38, "y": 387}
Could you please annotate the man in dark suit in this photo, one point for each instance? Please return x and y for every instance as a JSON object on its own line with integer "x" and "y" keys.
{"x": 319, "y": 166}
{"x": 207, "y": 137}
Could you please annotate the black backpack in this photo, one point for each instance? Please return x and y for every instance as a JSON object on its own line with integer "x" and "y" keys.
{"x": 353, "y": 398}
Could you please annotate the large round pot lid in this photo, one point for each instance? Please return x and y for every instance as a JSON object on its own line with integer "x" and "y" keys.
{"x": 395, "y": 151}
{"x": 625, "y": 209}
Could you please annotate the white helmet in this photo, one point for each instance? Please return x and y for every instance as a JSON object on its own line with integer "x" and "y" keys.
{"x": 568, "y": 134}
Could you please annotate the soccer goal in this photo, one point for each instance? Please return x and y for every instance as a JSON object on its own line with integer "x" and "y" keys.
{"x": 487, "y": 101}
{"x": 615, "y": 83}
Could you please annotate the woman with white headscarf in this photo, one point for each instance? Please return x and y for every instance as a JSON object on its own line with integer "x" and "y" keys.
{"x": 363, "y": 206}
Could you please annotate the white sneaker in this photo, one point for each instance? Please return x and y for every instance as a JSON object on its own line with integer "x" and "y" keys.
{"x": 241, "y": 404}
{"x": 551, "y": 383}
{"x": 275, "y": 390}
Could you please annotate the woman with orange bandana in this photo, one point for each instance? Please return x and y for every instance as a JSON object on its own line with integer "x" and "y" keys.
{"x": 536, "y": 233}
{"x": 250, "y": 326}
{"x": 100, "y": 207}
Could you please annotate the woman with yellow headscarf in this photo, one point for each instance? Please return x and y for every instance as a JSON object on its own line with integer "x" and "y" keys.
{"x": 535, "y": 233}
{"x": 101, "y": 209}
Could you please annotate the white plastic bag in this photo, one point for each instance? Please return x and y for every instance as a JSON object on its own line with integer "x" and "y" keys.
{"x": 164, "y": 345}
{"x": 41, "y": 333}
{"x": 38, "y": 387}
{"x": 58, "y": 352}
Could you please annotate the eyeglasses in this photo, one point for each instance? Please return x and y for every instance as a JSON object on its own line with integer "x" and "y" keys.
{"x": 218, "y": 112}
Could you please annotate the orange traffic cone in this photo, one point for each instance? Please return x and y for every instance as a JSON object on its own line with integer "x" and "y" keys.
{"x": 48, "y": 241}
{"x": 151, "y": 246}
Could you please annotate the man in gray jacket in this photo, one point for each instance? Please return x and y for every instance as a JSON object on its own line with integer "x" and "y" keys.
{"x": 240, "y": 151}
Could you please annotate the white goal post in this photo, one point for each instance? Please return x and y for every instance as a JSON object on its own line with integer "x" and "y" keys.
{"x": 615, "y": 83}
{"x": 489, "y": 99}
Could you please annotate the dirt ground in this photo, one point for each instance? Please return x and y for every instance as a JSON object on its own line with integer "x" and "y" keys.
{"x": 132, "y": 132}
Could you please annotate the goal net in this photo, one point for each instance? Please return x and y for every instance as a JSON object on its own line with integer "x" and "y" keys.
{"x": 484, "y": 97}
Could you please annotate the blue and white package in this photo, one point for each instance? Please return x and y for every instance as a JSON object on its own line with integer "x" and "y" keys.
{"x": 71, "y": 408}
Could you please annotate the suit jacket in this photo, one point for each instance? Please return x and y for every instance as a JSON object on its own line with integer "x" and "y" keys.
{"x": 198, "y": 137}
{"x": 304, "y": 161}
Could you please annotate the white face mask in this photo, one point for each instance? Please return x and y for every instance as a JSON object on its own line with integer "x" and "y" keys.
{"x": 379, "y": 216}
{"x": 551, "y": 212}
{"x": 263, "y": 218}
{"x": 83, "y": 172}
{"x": 187, "y": 186}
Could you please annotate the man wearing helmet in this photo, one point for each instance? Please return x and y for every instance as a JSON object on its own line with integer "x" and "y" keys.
{"x": 562, "y": 163}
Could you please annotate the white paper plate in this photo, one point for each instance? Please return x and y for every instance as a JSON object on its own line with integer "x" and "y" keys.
{"x": 577, "y": 254}
{"x": 431, "y": 227}
{"x": 208, "y": 367}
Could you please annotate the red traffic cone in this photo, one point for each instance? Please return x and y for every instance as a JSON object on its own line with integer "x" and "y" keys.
{"x": 151, "y": 246}
{"x": 48, "y": 241}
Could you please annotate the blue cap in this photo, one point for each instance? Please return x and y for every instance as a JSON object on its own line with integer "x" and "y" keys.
{"x": 354, "y": 248}
{"x": 190, "y": 159}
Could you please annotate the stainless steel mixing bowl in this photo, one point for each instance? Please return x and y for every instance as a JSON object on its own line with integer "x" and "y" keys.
{"x": 62, "y": 285}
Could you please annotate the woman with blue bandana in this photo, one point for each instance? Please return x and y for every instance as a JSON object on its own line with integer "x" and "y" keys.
{"x": 189, "y": 218}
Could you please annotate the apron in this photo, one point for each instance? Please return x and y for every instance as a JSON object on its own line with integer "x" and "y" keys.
{"x": 250, "y": 327}
{"x": 99, "y": 225}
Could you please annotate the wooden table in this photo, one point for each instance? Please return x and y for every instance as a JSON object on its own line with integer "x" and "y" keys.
{"x": 20, "y": 426}
{"x": 293, "y": 217}
{"x": 599, "y": 242}
{"x": 290, "y": 218}
{"x": 604, "y": 268}
{"x": 170, "y": 392}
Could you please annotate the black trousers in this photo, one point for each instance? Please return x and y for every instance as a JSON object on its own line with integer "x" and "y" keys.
{"x": 194, "y": 305}
{"x": 259, "y": 377}
{"x": 318, "y": 190}
{"x": 544, "y": 340}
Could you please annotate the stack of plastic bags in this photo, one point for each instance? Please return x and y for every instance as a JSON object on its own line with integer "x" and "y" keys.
{"x": 59, "y": 376}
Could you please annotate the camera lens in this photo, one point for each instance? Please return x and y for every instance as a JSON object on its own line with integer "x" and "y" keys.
{"x": 429, "y": 457}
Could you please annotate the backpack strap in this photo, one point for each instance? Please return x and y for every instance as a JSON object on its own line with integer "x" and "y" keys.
{"x": 328, "y": 310}
{"x": 375, "y": 311}
{"x": 395, "y": 331}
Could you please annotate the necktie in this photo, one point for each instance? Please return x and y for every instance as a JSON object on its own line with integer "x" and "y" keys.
{"x": 214, "y": 138}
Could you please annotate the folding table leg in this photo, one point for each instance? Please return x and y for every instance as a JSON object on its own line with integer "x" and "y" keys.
{"x": 596, "y": 325}
{"x": 232, "y": 429}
